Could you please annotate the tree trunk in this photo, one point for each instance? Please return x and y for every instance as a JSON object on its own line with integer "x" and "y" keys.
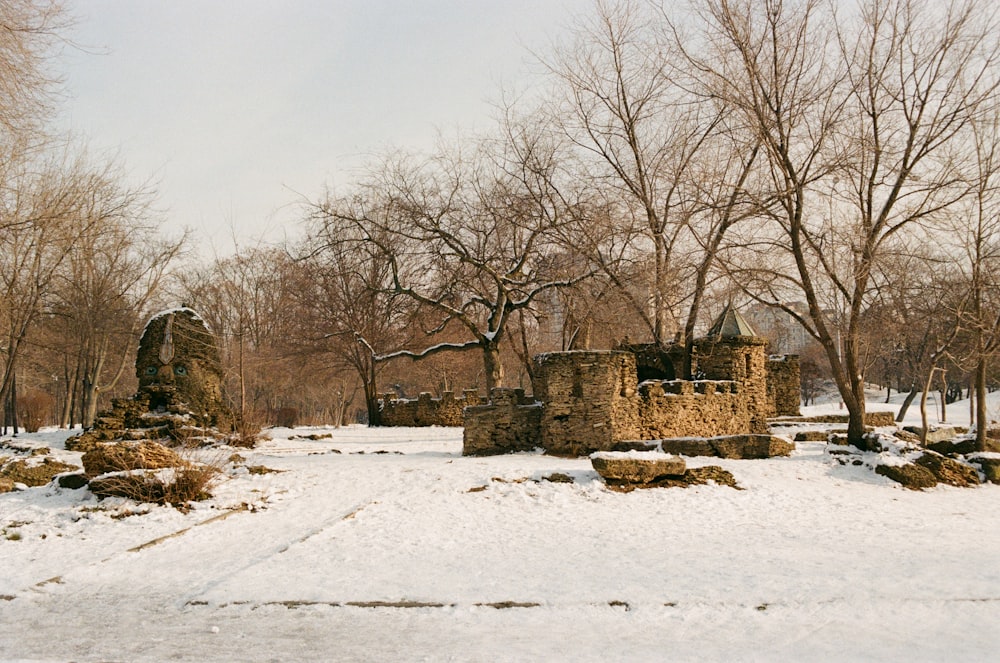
{"x": 659, "y": 291}
{"x": 13, "y": 402}
{"x": 492, "y": 366}
{"x": 982, "y": 424}
{"x": 371, "y": 396}
{"x": 907, "y": 402}
{"x": 89, "y": 403}
{"x": 923, "y": 406}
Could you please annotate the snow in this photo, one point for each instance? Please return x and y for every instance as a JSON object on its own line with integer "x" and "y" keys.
{"x": 387, "y": 544}
{"x": 172, "y": 311}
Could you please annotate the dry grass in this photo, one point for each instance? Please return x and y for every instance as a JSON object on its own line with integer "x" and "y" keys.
{"x": 185, "y": 480}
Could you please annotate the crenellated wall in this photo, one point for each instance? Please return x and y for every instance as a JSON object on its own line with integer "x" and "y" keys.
{"x": 742, "y": 359}
{"x": 591, "y": 401}
{"x": 427, "y": 410}
{"x": 508, "y": 424}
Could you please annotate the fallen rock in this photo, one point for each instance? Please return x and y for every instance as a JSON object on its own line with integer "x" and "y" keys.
{"x": 949, "y": 471}
{"x": 751, "y": 446}
{"x": 34, "y": 474}
{"x": 697, "y": 476}
{"x": 688, "y": 446}
{"x": 914, "y": 477}
{"x": 990, "y": 468}
{"x": 126, "y": 455}
{"x": 73, "y": 481}
{"x": 729, "y": 446}
{"x": 634, "y": 469}
{"x": 814, "y": 435}
{"x": 934, "y": 435}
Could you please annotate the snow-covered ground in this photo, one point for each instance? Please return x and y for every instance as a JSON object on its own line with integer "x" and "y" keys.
{"x": 389, "y": 545}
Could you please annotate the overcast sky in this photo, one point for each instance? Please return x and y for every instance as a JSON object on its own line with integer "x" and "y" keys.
{"x": 234, "y": 107}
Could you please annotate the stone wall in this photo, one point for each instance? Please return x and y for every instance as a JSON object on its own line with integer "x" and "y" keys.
{"x": 508, "y": 424}
{"x": 701, "y": 408}
{"x": 742, "y": 359}
{"x": 426, "y": 410}
{"x": 784, "y": 385}
{"x": 590, "y": 399}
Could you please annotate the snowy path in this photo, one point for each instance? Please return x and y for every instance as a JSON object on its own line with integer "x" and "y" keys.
{"x": 417, "y": 553}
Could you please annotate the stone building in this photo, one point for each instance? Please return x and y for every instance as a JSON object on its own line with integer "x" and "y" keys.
{"x": 588, "y": 401}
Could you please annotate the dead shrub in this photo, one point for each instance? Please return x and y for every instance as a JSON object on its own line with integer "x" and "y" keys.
{"x": 125, "y": 456}
{"x": 176, "y": 486}
{"x": 177, "y": 483}
{"x": 34, "y": 408}
{"x": 246, "y": 428}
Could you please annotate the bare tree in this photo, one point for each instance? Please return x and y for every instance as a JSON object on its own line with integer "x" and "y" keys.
{"x": 105, "y": 286}
{"x": 47, "y": 211}
{"x": 464, "y": 236}
{"x": 867, "y": 111}
{"x": 349, "y": 310}
{"x": 980, "y": 232}
{"x": 671, "y": 166}
{"x": 28, "y": 31}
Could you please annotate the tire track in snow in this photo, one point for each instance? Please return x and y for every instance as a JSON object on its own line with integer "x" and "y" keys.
{"x": 274, "y": 551}
{"x": 58, "y": 579}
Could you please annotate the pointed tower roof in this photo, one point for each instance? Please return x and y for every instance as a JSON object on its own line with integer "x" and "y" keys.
{"x": 731, "y": 324}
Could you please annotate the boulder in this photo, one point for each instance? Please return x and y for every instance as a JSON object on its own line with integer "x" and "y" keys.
{"x": 914, "y": 477}
{"x": 949, "y": 471}
{"x": 73, "y": 481}
{"x": 697, "y": 476}
{"x": 635, "y": 469}
{"x": 34, "y": 474}
{"x": 124, "y": 455}
{"x": 751, "y": 446}
{"x": 728, "y": 446}
{"x": 990, "y": 468}
{"x": 814, "y": 435}
{"x": 934, "y": 435}
{"x": 688, "y": 446}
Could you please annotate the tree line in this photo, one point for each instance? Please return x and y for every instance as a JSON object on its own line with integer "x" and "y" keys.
{"x": 835, "y": 163}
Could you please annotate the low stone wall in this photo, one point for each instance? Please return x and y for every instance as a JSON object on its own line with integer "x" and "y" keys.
{"x": 680, "y": 408}
{"x": 508, "y": 424}
{"x": 784, "y": 385}
{"x": 427, "y": 410}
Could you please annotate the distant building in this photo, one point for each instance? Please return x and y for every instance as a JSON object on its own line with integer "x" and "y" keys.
{"x": 787, "y": 336}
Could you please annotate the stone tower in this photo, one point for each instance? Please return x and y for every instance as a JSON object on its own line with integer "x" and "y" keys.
{"x": 732, "y": 350}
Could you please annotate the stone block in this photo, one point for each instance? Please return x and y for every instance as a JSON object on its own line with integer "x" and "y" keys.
{"x": 635, "y": 468}
{"x": 949, "y": 471}
{"x": 751, "y": 446}
{"x": 990, "y": 468}
{"x": 687, "y": 446}
{"x": 934, "y": 435}
{"x": 914, "y": 477}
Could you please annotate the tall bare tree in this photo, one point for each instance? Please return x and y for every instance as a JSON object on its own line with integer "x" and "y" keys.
{"x": 672, "y": 166}
{"x": 464, "y": 235}
{"x": 106, "y": 284}
{"x": 866, "y": 111}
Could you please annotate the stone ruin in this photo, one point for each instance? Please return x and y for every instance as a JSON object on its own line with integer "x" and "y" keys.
{"x": 180, "y": 387}
{"x": 427, "y": 410}
{"x": 589, "y": 401}
{"x": 178, "y": 404}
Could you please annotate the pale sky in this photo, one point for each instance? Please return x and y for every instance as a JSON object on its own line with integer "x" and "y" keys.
{"x": 235, "y": 107}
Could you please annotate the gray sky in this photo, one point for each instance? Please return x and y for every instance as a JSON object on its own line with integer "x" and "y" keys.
{"x": 233, "y": 107}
